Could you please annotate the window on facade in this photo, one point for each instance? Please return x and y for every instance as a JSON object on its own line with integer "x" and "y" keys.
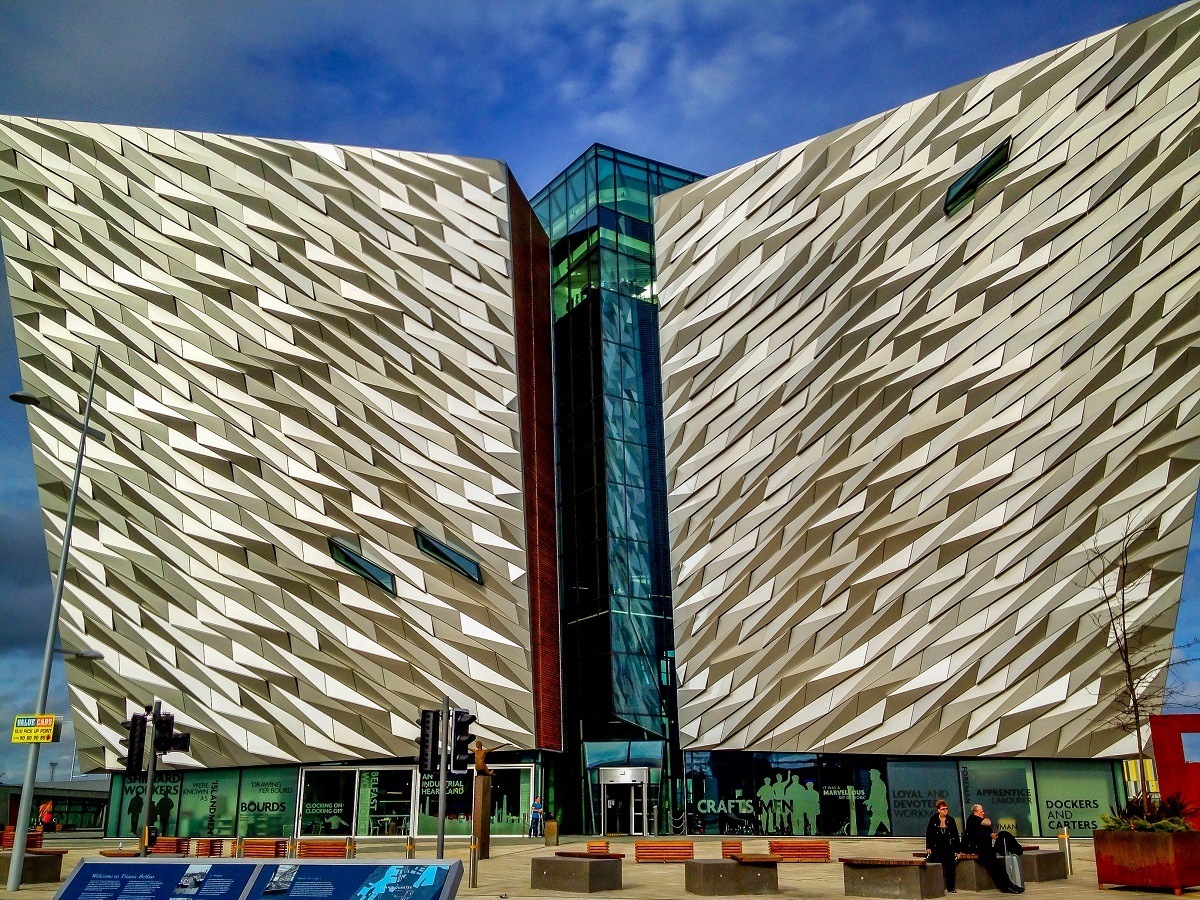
{"x": 359, "y": 564}
{"x": 963, "y": 190}
{"x": 446, "y": 555}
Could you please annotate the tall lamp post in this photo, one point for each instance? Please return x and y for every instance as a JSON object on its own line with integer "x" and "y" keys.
{"x": 17, "y": 863}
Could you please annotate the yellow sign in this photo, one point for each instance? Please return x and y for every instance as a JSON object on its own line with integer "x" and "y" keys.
{"x": 36, "y": 729}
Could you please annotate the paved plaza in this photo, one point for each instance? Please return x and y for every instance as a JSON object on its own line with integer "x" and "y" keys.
{"x": 507, "y": 873}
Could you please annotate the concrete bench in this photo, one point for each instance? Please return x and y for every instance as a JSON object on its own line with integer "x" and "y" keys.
{"x": 901, "y": 878}
{"x": 798, "y": 850}
{"x": 39, "y": 868}
{"x": 663, "y": 851}
{"x": 753, "y": 874}
{"x": 584, "y": 874}
{"x": 1043, "y": 865}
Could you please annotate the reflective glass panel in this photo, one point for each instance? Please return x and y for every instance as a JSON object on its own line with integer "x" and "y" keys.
{"x": 328, "y": 804}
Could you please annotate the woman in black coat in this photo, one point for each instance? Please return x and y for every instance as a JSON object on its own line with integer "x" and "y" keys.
{"x": 941, "y": 842}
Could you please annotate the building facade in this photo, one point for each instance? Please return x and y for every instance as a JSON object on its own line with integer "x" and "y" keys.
{"x": 830, "y": 455}
{"x": 924, "y": 378}
{"x": 327, "y": 498}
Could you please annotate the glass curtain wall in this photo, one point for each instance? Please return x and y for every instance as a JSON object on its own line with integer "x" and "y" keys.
{"x": 616, "y": 567}
{"x": 759, "y": 793}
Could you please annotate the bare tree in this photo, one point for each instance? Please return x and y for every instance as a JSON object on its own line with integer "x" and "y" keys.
{"x": 1142, "y": 645}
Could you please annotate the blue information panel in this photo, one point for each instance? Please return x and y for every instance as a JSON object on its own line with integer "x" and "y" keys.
{"x": 365, "y": 880}
{"x": 237, "y": 879}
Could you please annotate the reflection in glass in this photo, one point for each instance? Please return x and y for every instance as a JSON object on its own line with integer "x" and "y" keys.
{"x": 327, "y": 804}
{"x": 384, "y": 802}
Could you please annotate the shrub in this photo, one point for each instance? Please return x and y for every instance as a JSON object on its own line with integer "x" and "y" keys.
{"x": 1170, "y": 813}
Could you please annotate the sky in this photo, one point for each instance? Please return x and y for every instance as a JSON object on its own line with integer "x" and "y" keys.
{"x": 701, "y": 84}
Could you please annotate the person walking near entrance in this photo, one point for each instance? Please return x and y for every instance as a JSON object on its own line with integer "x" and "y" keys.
{"x": 535, "y": 818}
{"x": 941, "y": 842}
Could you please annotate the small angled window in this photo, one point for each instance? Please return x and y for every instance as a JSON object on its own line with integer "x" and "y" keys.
{"x": 459, "y": 562}
{"x": 963, "y": 190}
{"x": 359, "y": 564}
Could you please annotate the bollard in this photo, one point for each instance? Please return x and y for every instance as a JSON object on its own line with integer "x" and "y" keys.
{"x": 410, "y": 848}
{"x": 473, "y": 874}
{"x": 1064, "y": 845}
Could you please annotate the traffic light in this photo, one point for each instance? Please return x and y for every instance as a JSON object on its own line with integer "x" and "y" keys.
{"x": 428, "y": 762}
{"x": 135, "y": 744}
{"x": 460, "y": 742}
{"x": 164, "y": 730}
{"x": 165, "y": 738}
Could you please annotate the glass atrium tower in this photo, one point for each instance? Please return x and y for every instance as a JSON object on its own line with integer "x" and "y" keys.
{"x": 616, "y": 573}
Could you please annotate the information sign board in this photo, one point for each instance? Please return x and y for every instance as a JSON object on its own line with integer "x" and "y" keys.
{"x": 243, "y": 879}
{"x": 36, "y": 729}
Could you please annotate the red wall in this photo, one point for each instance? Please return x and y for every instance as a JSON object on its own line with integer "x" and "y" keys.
{"x": 531, "y": 287}
{"x": 1175, "y": 774}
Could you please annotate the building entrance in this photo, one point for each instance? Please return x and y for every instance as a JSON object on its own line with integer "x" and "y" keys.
{"x": 624, "y": 795}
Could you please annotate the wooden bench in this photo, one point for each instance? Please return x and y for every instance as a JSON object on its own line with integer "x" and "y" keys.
{"x": 261, "y": 848}
{"x": 33, "y": 840}
{"x": 905, "y": 878}
{"x": 793, "y": 850}
{"x": 598, "y": 847}
{"x": 663, "y": 851}
{"x": 175, "y": 846}
{"x": 729, "y": 848}
{"x": 324, "y": 849}
{"x": 210, "y": 847}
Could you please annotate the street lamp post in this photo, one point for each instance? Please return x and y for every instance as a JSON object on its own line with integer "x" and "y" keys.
{"x": 17, "y": 862}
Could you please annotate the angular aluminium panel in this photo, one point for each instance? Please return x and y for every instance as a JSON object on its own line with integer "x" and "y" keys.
{"x": 894, "y": 436}
{"x": 301, "y": 342}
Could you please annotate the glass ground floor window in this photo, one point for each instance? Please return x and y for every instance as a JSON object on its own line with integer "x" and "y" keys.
{"x": 458, "y": 805}
{"x": 384, "y": 802}
{"x": 752, "y": 793}
{"x": 282, "y": 801}
{"x": 512, "y": 795}
{"x": 327, "y": 802}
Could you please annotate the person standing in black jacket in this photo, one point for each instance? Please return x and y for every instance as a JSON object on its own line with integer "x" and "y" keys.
{"x": 941, "y": 842}
{"x": 977, "y": 839}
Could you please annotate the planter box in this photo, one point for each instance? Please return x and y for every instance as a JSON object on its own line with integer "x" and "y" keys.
{"x": 1148, "y": 859}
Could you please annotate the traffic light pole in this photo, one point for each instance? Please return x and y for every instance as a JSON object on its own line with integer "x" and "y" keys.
{"x": 443, "y": 762}
{"x": 143, "y": 847}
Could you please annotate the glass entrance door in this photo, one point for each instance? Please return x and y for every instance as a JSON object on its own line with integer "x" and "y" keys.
{"x": 624, "y": 808}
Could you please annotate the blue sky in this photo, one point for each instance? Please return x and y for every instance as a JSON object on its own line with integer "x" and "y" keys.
{"x": 702, "y": 84}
